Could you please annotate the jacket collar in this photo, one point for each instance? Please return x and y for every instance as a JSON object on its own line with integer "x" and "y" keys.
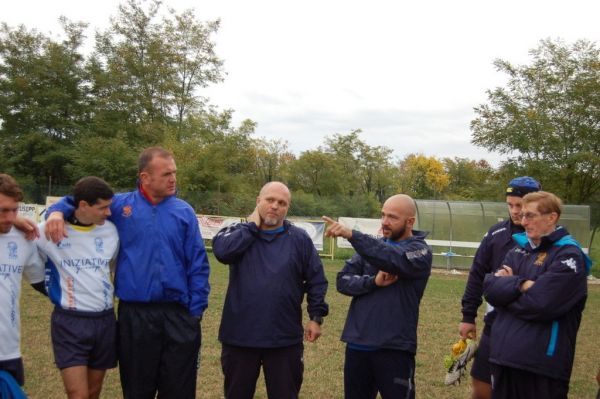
{"x": 522, "y": 240}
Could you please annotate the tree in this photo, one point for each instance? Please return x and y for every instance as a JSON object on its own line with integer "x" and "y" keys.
{"x": 43, "y": 103}
{"x": 363, "y": 169}
{"x": 272, "y": 160}
{"x": 315, "y": 172}
{"x": 111, "y": 158}
{"x": 471, "y": 180}
{"x": 147, "y": 72}
{"x": 548, "y": 116}
{"x": 345, "y": 150}
{"x": 215, "y": 161}
{"x": 376, "y": 172}
{"x": 422, "y": 177}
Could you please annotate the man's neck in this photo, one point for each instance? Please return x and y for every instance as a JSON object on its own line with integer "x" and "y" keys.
{"x": 80, "y": 219}
{"x": 152, "y": 199}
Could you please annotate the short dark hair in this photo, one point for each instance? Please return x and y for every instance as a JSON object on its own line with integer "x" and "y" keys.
{"x": 10, "y": 187}
{"x": 91, "y": 189}
{"x": 148, "y": 155}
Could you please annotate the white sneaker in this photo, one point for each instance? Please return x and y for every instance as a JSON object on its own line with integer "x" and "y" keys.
{"x": 459, "y": 365}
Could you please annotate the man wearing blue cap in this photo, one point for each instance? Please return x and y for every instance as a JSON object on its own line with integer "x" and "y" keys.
{"x": 493, "y": 248}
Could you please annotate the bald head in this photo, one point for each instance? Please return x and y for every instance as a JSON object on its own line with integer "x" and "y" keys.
{"x": 398, "y": 217}
{"x": 403, "y": 203}
{"x": 276, "y": 186}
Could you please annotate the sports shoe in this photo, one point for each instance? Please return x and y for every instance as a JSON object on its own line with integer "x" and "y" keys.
{"x": 462, "y": 352}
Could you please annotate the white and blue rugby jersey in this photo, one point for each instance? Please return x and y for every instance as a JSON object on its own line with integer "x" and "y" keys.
{"x": 78, "y": 268}
{"x": 18, "y": 256}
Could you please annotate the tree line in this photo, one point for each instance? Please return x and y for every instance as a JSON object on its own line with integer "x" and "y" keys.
{"x": 65, "y": 114}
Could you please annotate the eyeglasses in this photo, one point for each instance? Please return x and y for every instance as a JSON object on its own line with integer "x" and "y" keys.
{"x": 531, "y": 215}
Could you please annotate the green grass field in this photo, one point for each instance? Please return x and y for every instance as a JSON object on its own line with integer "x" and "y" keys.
{"x": 440, "y": 314}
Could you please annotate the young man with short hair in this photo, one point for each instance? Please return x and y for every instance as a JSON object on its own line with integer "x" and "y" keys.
{"x": 79, "y": 284}
{"x": 18, "y": 257}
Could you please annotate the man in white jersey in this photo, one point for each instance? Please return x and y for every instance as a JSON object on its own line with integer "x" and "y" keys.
{"x": 78, "y": 281}
{"x": 18, "y": 256}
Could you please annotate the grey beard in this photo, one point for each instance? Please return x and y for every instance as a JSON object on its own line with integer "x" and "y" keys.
{"x": 270, "y": 221}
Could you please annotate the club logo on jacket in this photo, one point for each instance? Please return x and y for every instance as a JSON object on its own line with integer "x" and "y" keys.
{"x": 127, "y": 211}
{"x": 12, "y": 250}
{"x": 540, "y": 259}
{"x": 570, "y": 263}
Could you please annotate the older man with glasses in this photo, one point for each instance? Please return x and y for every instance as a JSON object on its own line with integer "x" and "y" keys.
{"x": 539, "y": 295}
{"x": 489, "y": 256}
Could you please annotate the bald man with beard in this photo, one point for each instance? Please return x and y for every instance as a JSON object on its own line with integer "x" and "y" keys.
{"x": 272, "y": 265}
{"x": 386, "y": 279}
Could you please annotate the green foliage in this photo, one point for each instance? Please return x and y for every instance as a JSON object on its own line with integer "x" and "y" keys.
{"x": 471, "y": 180}
{"x": 110, "y": 158}
{"x": 42, "y": 104}
{"x": 547, "y": 116}
{"x": 315, "y": 171}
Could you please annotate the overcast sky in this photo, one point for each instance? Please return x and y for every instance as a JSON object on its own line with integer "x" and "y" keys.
{"x": 408, "y": 74}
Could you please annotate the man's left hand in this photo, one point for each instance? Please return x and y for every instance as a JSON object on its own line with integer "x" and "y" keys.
{"x": 312, "y": 331}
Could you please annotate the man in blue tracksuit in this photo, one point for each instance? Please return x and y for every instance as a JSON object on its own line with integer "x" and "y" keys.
{"x": 272, "y": 264}
{"x": 161, "y": 280}
{"x": 538, "y": 295}
{"x": 386, "y": 279}
{"x": 493, "y": 248}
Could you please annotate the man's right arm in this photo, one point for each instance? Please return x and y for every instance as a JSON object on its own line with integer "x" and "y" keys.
{"x": 231, "y": 242}
{"x": 55, "y": 229}
{"x": 472, "y": 297}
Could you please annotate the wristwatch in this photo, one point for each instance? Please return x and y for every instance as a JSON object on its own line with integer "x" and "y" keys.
{"x": 317, "y": 319}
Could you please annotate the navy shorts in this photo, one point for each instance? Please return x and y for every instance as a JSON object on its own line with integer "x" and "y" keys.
{"x": 15, "y": 368}
{"x": 509, "y": 383}
{"x": 84, "y": 339}
{"x": 481, "y": 369}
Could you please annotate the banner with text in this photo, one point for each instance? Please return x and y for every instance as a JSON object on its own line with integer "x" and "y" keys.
{"x": 31, "y": 211}
{"x": 210, "y": 225}
{"x": 367, "y": 226}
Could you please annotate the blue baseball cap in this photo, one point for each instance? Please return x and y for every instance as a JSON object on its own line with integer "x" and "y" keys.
{"x": 519, "y": 186}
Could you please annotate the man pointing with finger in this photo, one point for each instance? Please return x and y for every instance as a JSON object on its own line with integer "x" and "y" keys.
{"x": 386, "y": 278}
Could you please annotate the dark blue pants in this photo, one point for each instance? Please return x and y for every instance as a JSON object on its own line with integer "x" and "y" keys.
{"x": 389, "y": 372}
{"x": 283, "y": 369}
{"x": 510, "y": 383}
